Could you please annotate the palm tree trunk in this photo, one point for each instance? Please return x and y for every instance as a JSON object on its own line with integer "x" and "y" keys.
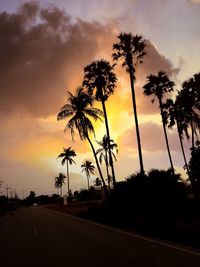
{"x": 107, "y": 172}
{"x": 130, "y": 66}
{"x": 61, "y": 191}
{"x": 98, "y": 167}
{"x": 182, "y": 149}
{"x": 188, "y": 171}
{"x": 108, "y": 136}
{"x": 68, "y": 178}
{"x": 88, "y": 182}
{"x": 192, "y": 133}
{"x": 193, "y": 183}
{"x": 165, "y": 134}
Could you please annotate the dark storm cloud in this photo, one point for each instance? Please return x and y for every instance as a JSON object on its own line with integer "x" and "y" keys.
{"x": 42, "y": 54}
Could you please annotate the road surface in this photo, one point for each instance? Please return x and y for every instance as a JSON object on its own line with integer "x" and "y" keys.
{"x": 36, "y": 236}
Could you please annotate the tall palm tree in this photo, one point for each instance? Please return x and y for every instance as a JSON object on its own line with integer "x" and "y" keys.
{"x": 131, "y": 49}
{"x": 190, "y": 99}
{"x": 88, "y": 168}
{"x": 99, "y": 76}
{"x": 109, "y": 180}
{"x": 67, "y": 156}
{"x": 103, "y": 153}
{"x": 175, "y": 116}
{"x": 159, "y": 85}
{"x": 79, "y": 108}
{"x": 59, "y": 181}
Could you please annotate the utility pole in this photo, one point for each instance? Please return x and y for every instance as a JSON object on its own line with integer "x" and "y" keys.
{"x": 0, "y": 186}
{"x": 15, "y": 194}
{"x": 7, "y": 189}
{"x": 11, "y": 194}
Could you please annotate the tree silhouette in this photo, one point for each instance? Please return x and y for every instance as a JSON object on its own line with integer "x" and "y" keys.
{"x": 97, "y": 182}
{"x": 67, "y": 156}
{"x": 99, "y": 76}
{"x": 194, "y": 166}
{"x": 88, "y": 168}
{"x": 131, "y": 49}
{"x": 190, "y": 98}
{"x": 103, "y": 153}
{"x": 159, "y": 85}
{"x": 175, "y": 116}
{"x": 79, "y": 108}
{"x": 59, "y": 181}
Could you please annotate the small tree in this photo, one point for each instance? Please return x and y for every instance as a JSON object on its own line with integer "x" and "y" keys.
{"x": 88, "y": 168}
{"x": 103, "y": 153}
{"x": 97, "y": 182}
{"x": 67, "y": 156}
{"x": 59, "y": 181}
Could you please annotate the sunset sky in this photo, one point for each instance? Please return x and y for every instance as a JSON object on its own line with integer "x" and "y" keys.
{"x": 44, "y": 46}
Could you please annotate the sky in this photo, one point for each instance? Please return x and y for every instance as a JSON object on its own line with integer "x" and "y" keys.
{"x": 45, "y": 45}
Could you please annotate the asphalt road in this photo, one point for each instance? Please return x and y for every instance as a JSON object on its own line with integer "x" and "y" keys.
{"x": 37, "y": 237}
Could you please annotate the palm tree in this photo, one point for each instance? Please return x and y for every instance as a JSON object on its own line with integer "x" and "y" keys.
{"x": 175, "y": 115}
{"x": 190, "y": 99}
{"x": 79, "y": 108}
{"x": 67, "y": 156}
{"x": 88, "y": 168}
{"x": 194, "y": 166}
{"x": 99, "y": 76}
{"x": 109, "y": 180}
{"x": 159, "y": 85}
{"x": 104, "y": 154}
{"x": 97, "y": 182}
{"x": 131, "y": 49}
{"x": 59, "y": 181}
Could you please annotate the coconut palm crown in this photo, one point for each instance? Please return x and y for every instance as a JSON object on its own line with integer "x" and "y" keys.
{"x": 99, "y": 77}
{"x": 130, "y": 49}
{"x": 79, "y": 108}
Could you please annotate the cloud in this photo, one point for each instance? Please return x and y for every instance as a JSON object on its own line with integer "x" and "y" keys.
{"x": 152, "y": 138}
{"x": 42, "y": 56}
{"x": 153, "y": 62}
{"x": 194, "y": 1}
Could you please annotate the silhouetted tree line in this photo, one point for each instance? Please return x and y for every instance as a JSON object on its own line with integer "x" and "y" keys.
{"x": 32, "y": 199}
{"x": 152, "y": 198}
{"x": 87, "y": 194}
{"x": 99, "y": 84}
{"x": 8, "y": 204}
